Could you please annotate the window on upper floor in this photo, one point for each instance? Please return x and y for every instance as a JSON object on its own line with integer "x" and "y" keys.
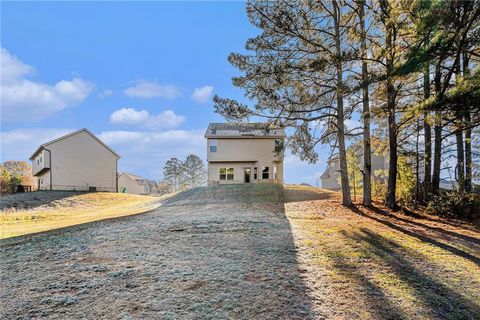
{"x": 278, "y": 145}
{"x": 213, "y": 145}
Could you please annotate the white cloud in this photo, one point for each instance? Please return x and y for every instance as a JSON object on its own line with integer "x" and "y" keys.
{"x": 203, "y": 94}
{"x": 105, "y": 93}
{"x": 167, "y": 119}
{"x": 19, "y": 144}
{"x": 145, "y": 152}
{"x": 146, "y": 89}
{"x": 12, "y": 69}
{"x": 130, "y": 116}
{"x": 25, "y": 100}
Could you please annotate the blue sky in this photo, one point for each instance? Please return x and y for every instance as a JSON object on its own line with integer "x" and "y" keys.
{"x": 139, "y": 75}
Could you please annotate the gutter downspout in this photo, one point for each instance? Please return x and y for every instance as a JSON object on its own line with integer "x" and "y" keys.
{"x": 116, "y": 175}
{"x": 50, "y": 160}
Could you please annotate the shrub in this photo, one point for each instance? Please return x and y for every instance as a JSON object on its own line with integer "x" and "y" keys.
{"x": 453, "y": 204}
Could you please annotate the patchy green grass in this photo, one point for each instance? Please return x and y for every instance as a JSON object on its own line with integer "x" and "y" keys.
{"x": 74, "y": 210}
{"x": 376, "y": 264}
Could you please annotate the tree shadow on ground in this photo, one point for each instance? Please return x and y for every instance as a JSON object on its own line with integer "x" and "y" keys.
{"x": 379, "y": 304}
{"x": 35, "y": 199}
{"x": 416, "y": 234}
{"x": 442, "y": 301}
{"x": 230, "y": 260}
{"x": 464, "y": 237}
{"x": 438, "y": 219}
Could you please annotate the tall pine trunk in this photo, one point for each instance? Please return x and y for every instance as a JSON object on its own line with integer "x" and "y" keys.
{"x": 346, "y": 197}
{"x": 468, "y": 153}
{"x": 468, "y": 133}
{"x": 427, "y": 129}
{"x": 367, "y": 158}
{"x": 392, "y": 125}
{"x": 417, "y": 163}
{"x": 437, "y": 155}
{"x": 459, "y": 140}
{"x": 460, "y": 157}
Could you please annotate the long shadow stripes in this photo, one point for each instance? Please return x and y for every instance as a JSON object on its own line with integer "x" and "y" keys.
{"x": 442, "y": 301}
{"x": 423, "y": 238}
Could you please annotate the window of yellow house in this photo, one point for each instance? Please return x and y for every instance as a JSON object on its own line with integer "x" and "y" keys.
{"x": 226, "y": 174}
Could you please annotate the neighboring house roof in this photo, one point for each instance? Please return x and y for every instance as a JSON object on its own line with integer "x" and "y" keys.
{"x": 243, "y": 130}
{"x": 133, "y": 176}
{"x": 140, "y": 180}
{"x": 325, "y": 174}
{"x": 42, "y": 146}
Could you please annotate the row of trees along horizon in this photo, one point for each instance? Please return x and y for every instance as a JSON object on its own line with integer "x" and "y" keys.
{"x": 408, "y": 68}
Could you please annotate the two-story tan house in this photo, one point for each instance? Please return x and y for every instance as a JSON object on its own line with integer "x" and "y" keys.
{"x": 77, "y": 161}
{"x": 244, "y": 153}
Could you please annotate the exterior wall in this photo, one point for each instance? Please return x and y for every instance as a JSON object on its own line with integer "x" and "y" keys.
{"x": 244, "y": 153}
{"x": 333, "y": 167}
{"x": 41, "y": 162}
{"x": 79, "y": 162}
{"x": 43, "y": 181}
{"x": 238, "y": 171}
{"x": 244, "y": 150}
{"x": 131, "y": 185}
{"x": 332, "y": 183}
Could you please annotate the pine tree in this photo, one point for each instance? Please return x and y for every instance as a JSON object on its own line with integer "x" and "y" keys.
{"x": 173, "y": 172}
{"x": 296, "y": 75}
{"x": 193, "y": 170}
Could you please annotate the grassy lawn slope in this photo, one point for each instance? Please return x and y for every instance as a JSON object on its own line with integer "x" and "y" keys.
{"x": 72, "y": 210}
{"x": 374, "y": 264}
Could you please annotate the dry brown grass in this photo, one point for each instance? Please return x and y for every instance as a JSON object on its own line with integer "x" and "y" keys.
{"x": 73, "y": 210}
{"x": 375, "y": 264}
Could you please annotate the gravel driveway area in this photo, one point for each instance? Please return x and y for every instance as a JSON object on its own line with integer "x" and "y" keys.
{"x": 222, "y": 252}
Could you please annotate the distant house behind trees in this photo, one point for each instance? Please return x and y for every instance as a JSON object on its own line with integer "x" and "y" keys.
{"x": 330, "y": 178}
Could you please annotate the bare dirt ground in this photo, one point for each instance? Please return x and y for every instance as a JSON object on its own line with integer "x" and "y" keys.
{"x": 247, "y": 252}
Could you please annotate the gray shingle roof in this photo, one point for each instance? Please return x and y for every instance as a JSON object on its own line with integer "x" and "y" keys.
{"x": 232, "y": 130}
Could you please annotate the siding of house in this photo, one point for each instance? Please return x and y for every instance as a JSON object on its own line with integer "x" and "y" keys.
{"x": 79, "y": 162}
{"x": 131, "y": 185}
{"x": 43, "y": 181}
{"x": 240, "y": 153}
{"x": 331, "y": 182}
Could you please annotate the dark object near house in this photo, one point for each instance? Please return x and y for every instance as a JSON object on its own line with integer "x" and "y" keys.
{"x": 92, "y": 189}
{"x": 21, "y": 188}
